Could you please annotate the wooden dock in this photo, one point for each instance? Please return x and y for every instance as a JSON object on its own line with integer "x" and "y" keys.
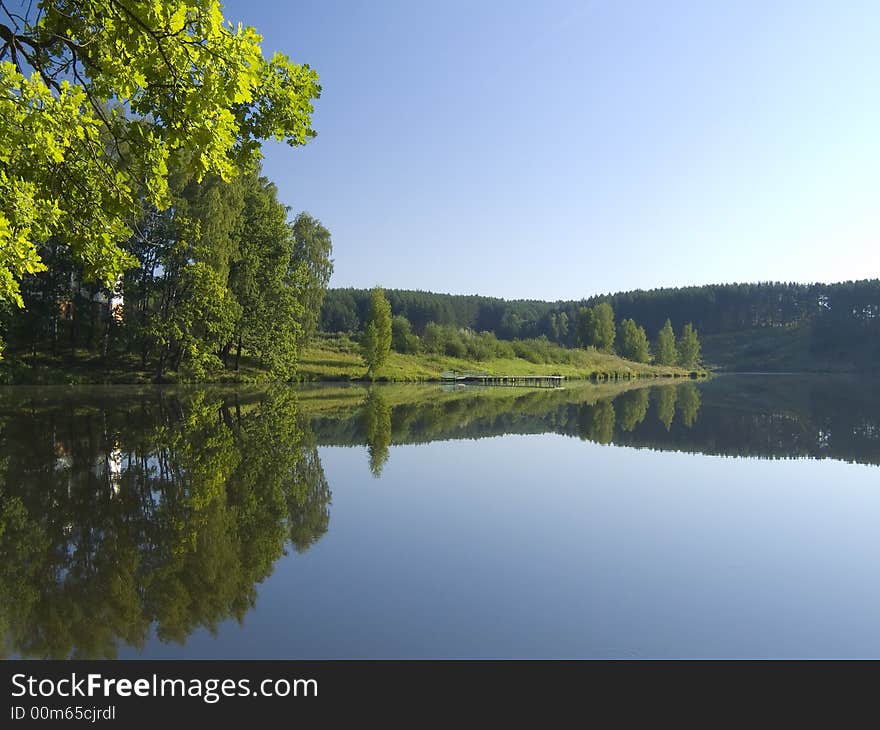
{"x": 522, "y": 381}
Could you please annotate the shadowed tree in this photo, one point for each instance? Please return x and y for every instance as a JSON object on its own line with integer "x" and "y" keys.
{"x": 689, "y": 347}
{"x": 584, "y": 327}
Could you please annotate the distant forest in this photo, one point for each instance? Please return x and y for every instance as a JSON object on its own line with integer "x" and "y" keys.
{"x": 837, "y": 322}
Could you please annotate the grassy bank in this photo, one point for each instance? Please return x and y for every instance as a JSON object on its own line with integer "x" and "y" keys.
{"x": 82, "y": 367}
{"x": 328, "y": 359}
{"x": 337, "y": 359}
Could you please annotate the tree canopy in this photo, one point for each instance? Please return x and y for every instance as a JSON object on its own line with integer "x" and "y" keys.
{"x": 633, "y": 342}
{"x": 689, "y": 347}
{"x": 98, "y": 98}
{"x": 376, "y": 341}
{"x": 665, "y": 352}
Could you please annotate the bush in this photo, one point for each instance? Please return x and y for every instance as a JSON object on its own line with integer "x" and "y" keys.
{"x": 402, "y": 337}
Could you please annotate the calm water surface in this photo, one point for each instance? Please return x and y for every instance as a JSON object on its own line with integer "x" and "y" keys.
{"x": 731, "y": 518}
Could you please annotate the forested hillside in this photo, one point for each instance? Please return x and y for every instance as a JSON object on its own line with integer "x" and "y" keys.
{"x": 774, "y": 326}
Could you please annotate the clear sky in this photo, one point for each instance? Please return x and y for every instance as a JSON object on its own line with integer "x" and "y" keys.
{"x": 558, "y": 149}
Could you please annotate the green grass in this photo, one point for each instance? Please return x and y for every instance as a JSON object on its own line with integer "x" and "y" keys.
{"x": 330, "y": 358}
{"x": 338, "y": 359}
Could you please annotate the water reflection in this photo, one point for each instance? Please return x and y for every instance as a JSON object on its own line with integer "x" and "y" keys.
{"x": 127, "y": 513}
{"x": 750, "y": 416}
{"x": 122, "y": 514}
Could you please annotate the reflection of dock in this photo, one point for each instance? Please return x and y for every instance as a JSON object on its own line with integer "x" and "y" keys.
{"x": 467, "y": 377}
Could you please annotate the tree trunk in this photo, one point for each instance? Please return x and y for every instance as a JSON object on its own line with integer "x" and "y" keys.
{"x": 225, "y": 351}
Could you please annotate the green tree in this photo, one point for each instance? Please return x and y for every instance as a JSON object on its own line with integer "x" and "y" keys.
{"x": 311, "y": 254}
{"x": 603, "y": 327}
{"x": 689, "y": 347}
{"x": 402, "y": 337}
{"x": 376, "y": 343}
{"x": 184, "y": 84}
{"x": 562, "y": 325}
{"x": 197, "y": 317}
{"x": 267, "y": 282}
{"x": 665, "y": 351}
{"x": 633, "y": 342}
{"x": 585, "y": 327}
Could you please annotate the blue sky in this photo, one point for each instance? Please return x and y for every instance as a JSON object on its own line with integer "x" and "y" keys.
{"x": 558, "y": 149}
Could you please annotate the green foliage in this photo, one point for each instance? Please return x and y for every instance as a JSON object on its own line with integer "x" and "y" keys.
{"x": 268, "y": 282}
{"x": 376, "y": 343}
{"x": 767, "y": 325}
{"x": 585, "y": 325}
{"x": 633, "y": 342}
{"x": 218, "y": 274}
{"x": 402, "y": 338}
{"x": 311, "y": 257}
{"x": 665, "y": 351}
{"x": 185, "y": 87}
{"x": 603, "y": 327}
{"x": 464, "y": 343}
{"x": 199, "y": 317}
{"x": 689, "y": 347}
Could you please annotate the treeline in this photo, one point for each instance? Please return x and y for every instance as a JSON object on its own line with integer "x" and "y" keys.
{"x": 593, "y": 327}
{"x": 839, "y": 318}
{"x": 219, "y": 273}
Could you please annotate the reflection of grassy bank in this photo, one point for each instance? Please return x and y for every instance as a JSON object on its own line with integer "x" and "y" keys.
{"x": 340, "y": 400}
{"x": 331, "y": 361}
{"x": 404, "y": 414}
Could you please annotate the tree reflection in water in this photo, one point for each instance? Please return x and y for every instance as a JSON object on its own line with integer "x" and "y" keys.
{"x": 158, "y": 510}
{"x": 128, "y": 512}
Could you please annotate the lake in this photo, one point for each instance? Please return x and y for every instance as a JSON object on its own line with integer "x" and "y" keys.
{"x": 733, "y": 517}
